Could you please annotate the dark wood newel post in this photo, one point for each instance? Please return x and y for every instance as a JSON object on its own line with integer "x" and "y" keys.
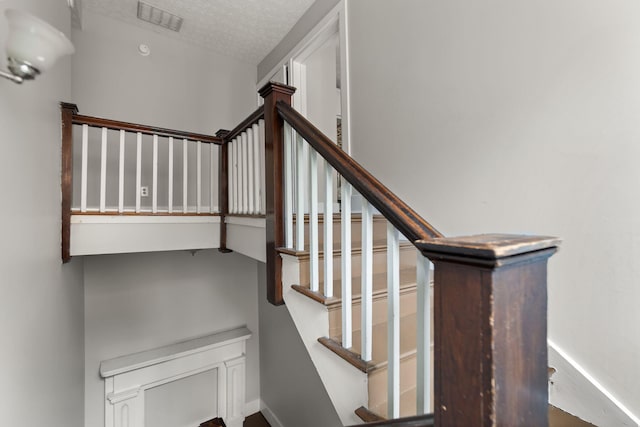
{"x": 490, "y": 325}
{"x": 67, "y": 111}
{"x": 223, "y": 188}
{"x": 273, "y": 92}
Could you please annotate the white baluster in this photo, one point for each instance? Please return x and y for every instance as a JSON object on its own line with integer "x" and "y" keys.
{"x": 367, "y": 281}
{"x": 300, "y": 193}
{"x": 250, "y": 171}
{"x": 121, "y": 174}
{"x": 245, "y": 175}
{"x": 288, "y": 187}
{"x": 212, "y": 179}
{"x": 393, "y": 322}
{"x": 154, "y": 197}
{"x": 313, "y": 222}
{"x": 423, "y": 317}
{"x": 170, "y": 183}
{"x": 238, "y": 186}
{"x": 232, "y": 176}
{"x": 263, "y": 194}
{"x": 259, "y": 168}
{"x": 346, "y": 266}
{"x": 138, "y": 169}
{"x": 85, "y": 154}
{"x": 328, "y": 230}
{"x": 103, "y": 172}
{"x": 185, "y": 175}
{"x": 198, "y": 177}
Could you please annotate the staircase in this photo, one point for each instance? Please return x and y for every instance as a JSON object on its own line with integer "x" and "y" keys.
{"x": 376, "y": 368}
{"x": 387, "y": 341}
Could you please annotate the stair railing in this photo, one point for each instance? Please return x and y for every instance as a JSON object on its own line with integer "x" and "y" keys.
{"x": 490, "y": 296}
{"x": 242, "y": 178}
{"x": 195, "y": 152}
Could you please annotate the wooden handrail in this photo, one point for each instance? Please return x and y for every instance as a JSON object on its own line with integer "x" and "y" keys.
{"x": 252, "y": 119}
{"x": 148, "y": 130}
{"x": 405, "y": 219}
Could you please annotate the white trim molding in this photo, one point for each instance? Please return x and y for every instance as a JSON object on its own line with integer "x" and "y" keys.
{"x": 128, "y": 377}
{"x": 577, "y": 392}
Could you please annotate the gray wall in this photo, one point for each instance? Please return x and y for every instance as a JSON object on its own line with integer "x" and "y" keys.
{"x": 41, "y": 306}
{"x": 522, "y": 117}
{"x": 160, "y": 298}
{"x": 135, "y": 302}
{"x": 289, "y": 383}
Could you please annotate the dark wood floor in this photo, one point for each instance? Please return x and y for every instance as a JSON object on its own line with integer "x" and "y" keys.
{"x": 256, "y": 420}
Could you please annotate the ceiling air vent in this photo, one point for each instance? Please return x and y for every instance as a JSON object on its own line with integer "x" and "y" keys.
{"x": 160, "y": 17}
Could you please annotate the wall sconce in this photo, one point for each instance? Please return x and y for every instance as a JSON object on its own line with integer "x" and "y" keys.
{"x": 33, "y": 46}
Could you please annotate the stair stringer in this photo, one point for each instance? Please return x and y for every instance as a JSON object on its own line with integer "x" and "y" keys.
{"x": 345, "y": 384}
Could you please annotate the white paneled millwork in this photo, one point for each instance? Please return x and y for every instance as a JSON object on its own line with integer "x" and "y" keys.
{"x": 127, "y": 378}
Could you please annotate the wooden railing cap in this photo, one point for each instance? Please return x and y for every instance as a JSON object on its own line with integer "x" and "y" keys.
{"x": 488, "y": 246}
{"x": 276, "y": 87}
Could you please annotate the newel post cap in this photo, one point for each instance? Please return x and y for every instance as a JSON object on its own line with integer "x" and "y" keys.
{"x": 69, "y": 106}
{"x": 488, "y": 249}
{"x": 272, "y": 86}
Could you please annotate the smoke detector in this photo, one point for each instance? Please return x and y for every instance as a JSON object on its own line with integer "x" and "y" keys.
{"x": 156, "y": 16}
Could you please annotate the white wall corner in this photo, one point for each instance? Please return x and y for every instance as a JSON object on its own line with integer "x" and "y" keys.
{"x": 575, "y": 391}
{"x": 252, "y": 407}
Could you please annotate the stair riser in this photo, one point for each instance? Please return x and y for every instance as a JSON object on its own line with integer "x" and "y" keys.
{"x": 408, "y": 258}
{"x": 379, "y": 230}
{"x": 378, "y": 382}
{"x": 379, "y": 315}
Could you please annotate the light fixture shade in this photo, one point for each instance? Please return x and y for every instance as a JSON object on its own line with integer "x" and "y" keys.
{"x": 34, "y": 42}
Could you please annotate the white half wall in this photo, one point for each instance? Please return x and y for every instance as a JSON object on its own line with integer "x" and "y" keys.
{"x": 41, "y": 307}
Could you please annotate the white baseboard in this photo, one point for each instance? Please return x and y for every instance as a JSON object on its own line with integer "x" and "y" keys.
{"x": 575, "y": 391}
{"x": 251, "y": 407}
{"x": 270, "y": 416}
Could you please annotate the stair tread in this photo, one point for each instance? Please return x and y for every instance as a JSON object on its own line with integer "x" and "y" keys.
{"x": 378, "y": 245}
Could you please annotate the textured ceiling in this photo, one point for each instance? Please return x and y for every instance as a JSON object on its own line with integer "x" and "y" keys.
{"x": 243, "y": 29}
